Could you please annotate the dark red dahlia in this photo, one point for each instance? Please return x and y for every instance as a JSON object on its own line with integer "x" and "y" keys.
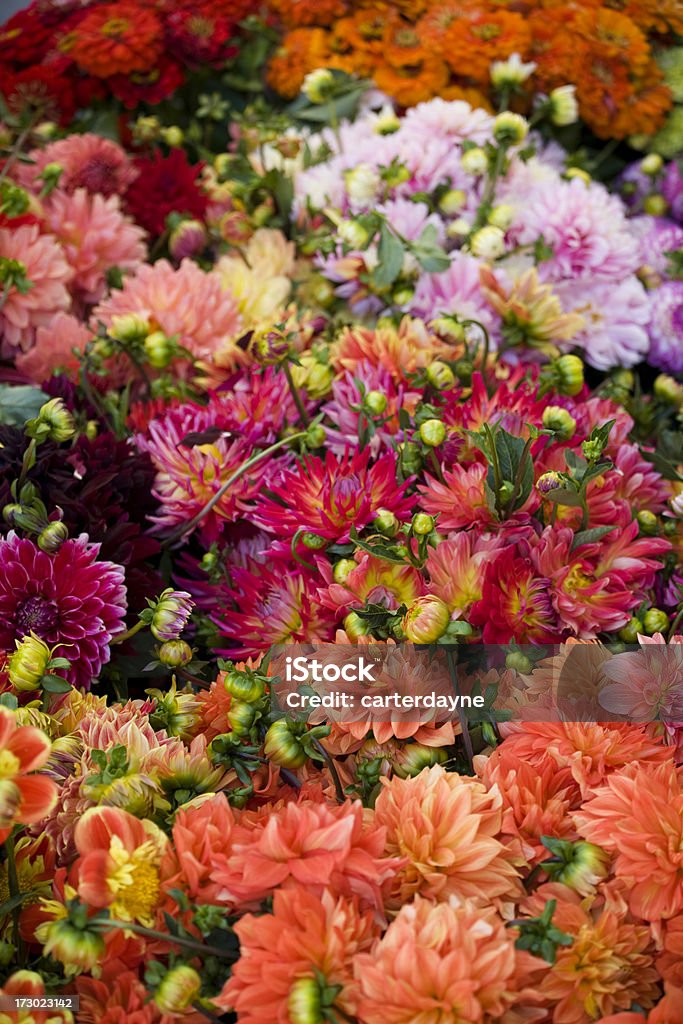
{"x": 72, "y": 601}
{"x": 165, "y": 185}
{"x": 200, "y": 36}
{"x": 152, "y": 86}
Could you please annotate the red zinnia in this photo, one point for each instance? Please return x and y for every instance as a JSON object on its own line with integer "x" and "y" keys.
{"x": 117, "y": 39}
{"x": 166, "y": 184}
{"x": 151, "y": 86}
{"x": 199, "y": 35}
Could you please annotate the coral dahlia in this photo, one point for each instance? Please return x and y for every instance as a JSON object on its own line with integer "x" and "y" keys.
{"x": 37, "y": 259}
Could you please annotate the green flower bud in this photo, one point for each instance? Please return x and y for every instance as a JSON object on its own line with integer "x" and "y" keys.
{"x": 175, "y": 654}
{"x": 128, "y": 328}
{"x": 440, "y": 376}
{"x": 319, "y": 85}
{"x": 655, "y": 621}
{"x": 304, "y": 1005}
{"x": 510, "y": 129}
{"x": 629, "y": 634}
{"x": 241, "y": 717}
{"x": 452, "y": 201}
{"x": 385, "y": 522}
{"x": 283, "y": 743}
{"x": 411, "y": 457}
{"x": 178, "y": 989}
{"x": 423, "y": 524}
{"x": 426, "y": 620}
{"x": 315, "y": 436}
{"x": 312, "y": 541}
{"x": 518, "y": 662}
{"x": 668, "y": 389}
{"x": 579, "y": 865}
{"x": 28, "y": 664}
{"x": 655, "y": 205}
{"x": 54, "y": 422}
{"x": 560, "y": 421}
{"x": 569, "y": 371}
{"x": 354, "y": 626}
{"x": 77, "y": 949}
{"x": 343, "y": 569}
{"x": 375, "y": 402}
{"x": 411, "y": 759}
{"x": 52, "y": 537}
{"x": 432, "y": 433}
{"x": 246, "y": 687}
{"x": 648, "y": 523}
{"x": 173, "y": 135}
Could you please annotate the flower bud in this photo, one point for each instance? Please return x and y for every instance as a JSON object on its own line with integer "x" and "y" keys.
{"x": 386, "y": 122}
{"x": 147, "y": 128}
{"x": 426, "y": 620}
{"x": 411, "y": 759}
{"x": 655, "y": 621}
{"x": 170, "y": 614}
{"x": 452, "y": 201}
{"x": 518, "y": 662}
{"x": 501, "y": 216}
{"x": 362, "y": 184}
{"x": 46, "y": 130}
{"x": 411, "y": 457}
{"x": 561, "y": 422}
{"x": 128, "y": 328}
{"x": 245, "y": 686}
{"x": 432, "y": 433}
{"x": 353, "y": 234}
{"x": 283, "y": 744}
{"x": 668, "y": 389}
{"x": 343, "y": 569}
{"x": 178, "y": 989}
{"x": 355, "y": 627}
{"x": 422, "y": 524}
{"x": 404, "y": 295}
{"x": 488, "y": 243}
{"x": 510, "y": 72}
{"x": 315, "y": 436}
{"x": 459, "y": 228}
{"x": 375, "y": 402}
{"x": 78, "y": 949}
{"x": 510, "y": 129}
{"x": 28, "y": 664}
{"x": 474, "y": 161}
{"x": 54, "y": 422}
{"x": 577, "y": 172}
{"x": 270, "y": 347}
{"x": 440, "y": 375}
{"x": 189, "y": 238}
{"x": 314, "y": 376}
{"x": 52, "y": 537}
{"x": 175, "y": 654}
{"x": 385, "y": 522}
{"x": 548, "y": 482}
{"x": 563, "y": 108}
{"x": 629, "y": 634}
{"x": 312, "y": 541}
{"x": 655, "y": 205}
{"x": 578, "y": 865}
{"x": 569, "y": 371}
{"x": 648, "y": 523}
{"x": 304, "y": 1005}
{"x": 173, "y": 135}
{"x": 319, "y": 86}
{"x": 159, "y": 350}
{"x": 241, "y": 717}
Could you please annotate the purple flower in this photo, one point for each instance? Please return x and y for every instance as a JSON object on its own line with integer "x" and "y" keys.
{"x": 70, "y": 600}
{"x": 672, "y": 189}
{"x": 658, "y": 236}
{"x": 666, "y": 327}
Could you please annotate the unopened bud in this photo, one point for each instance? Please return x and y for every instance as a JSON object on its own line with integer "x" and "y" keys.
{"x": 561, "y": 422}
{"x": 422, "y": 524}
{"x": 440, "y": 376}
{"x": 52, "y": 537}
{"x": 54, "y": 422}
{"x": 178, "y": 989}
{"x": 175, "y": 654}
{"x": 28, "y": 664}
{"x": 385, "y": 522}
{"x": 432, "y": 433}
{"x": 655, "y": 621}
{"x": 426, "y": 620}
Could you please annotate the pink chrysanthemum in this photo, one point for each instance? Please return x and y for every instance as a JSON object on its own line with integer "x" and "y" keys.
{"x": 190, "y": 474}
{"x": 277, "y": 603}
{"x": 70, "y": 600}
{"x": 54, "y": 349}
{"x": 41, "y": 262}
{"x": 96, "y": 236}
{"x": 330, "y": 497}
{"x": 186, "y": 302}
{"x": 87, "y": 161}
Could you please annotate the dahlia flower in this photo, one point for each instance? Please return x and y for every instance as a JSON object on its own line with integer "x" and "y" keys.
{"x": 344, "y": 409}
{"x": 452, "y": 962}
{"x": 24, "y": 798}
{"x": 87, "y": 161}
{"x": 615, "y": 320}
{"x": 70, "y": 600}
{"x": 515, "y": 602}
{"x": 165, "y": 185}
{"x": 115, "y": 995}
{"x": 446, "y": 825}
{"x": 666, "y": 327}
{"x": 260, "y": 280}
{"x": 645, "y": 685}
{"x": 305, "y": 934}
{"x": 56, "y": 349}
{"x": 330, "y": 497}
{"x": 658, "y": 236}
{"x": 401, "y": 351}
{"x": 456, "y": 568}
{"x": 95, "y": 237}
{"x": 456, "y": 290}
{"x": 186, "y": 302}
{"x": 370, "y": 580}
{"x": 201, "y": 833}
{"x": 41, "y": 261}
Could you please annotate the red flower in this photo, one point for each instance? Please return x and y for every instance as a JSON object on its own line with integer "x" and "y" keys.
{"x": 117, "y": 38}
{"x": 46, "y": 89}
{"x": 515, "y": 603}
{"x": 200, "y": 35}
{"x": 150, "y": 86}
{"x": 166, "y": 184}
{"x": 25, "y": 37}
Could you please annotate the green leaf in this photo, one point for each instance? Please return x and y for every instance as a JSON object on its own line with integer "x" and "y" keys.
{"x": 55, "y": 684}
{"x": 380, "y": 550}
{"x": 590, "y": 536}
{"x": 564, "y": 496}
{"x": 390, "y": 254}
{"x": 13, "y": 902}
{"x": 19, "y": 403}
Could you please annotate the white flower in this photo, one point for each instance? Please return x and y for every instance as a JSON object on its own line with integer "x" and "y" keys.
{"x": 511, "y": 71}
{"x": 362, "y": 184}
{"x": 318, "y": 85}
{"x": 488, "y": 243}
{"x": 564, "y": 109}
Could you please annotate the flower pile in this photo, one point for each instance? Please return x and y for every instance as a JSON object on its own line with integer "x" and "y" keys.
{"x": 340, "y": 377}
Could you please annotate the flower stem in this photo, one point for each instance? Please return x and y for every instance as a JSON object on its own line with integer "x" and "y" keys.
{"x": 14, "y": 891}
{"x": 187, "y": 528}
{"x": 17, "y": 147}
{"x": 295, "y": 394}
{"x": 178, "y": 940}
{"x": 128, "y": 633}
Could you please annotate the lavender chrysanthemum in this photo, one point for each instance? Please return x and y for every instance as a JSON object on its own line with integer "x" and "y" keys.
{"x": 666, "y": 327}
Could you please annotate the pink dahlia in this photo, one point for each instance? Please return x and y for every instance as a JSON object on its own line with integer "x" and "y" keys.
{"x": 87, "y": 161}
{"x": 330, "y": 497}
{"x": 666, "y": 327}
{"x": 26, "y": 255}
{"x": 615, "y": 314}
{"x": 190, "y": 474}
{"x": 96, "y": 236}
{"x": 456, "y": 290}
{"x": 55, "y": 349}
{"x": 186, "y": 302}
{"x": 70, "y": 600}
{"x": 515, "y": 603}
{"x": 345, "y": 408}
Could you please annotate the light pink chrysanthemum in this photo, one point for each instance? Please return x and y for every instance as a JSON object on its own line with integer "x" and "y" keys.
{"x": 43, "y": 265}
{"x": 87, "y": 161}
{"x": 54, "y": 348}
{"x": 615, "y": 315}
{"x": 185, "y": 302}
{"x": 96, "y": 236}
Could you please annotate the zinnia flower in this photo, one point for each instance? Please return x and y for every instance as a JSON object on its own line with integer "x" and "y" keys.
{"x": 24, "y": 798}
{"x": 112, "y": 38}
{"x": 95, "y": 237}
{"x": 305, "y": 934}
{"x": 40, "y": 261}
{"x": 447, "y": 826}
{"x": 70, "y": 600}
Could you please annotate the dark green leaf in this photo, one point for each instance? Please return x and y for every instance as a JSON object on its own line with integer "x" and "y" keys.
{"x": 55, "y": 684}
{"x": 590, "y": 536}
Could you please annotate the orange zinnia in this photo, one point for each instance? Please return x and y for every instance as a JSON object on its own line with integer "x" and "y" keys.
{"x": 24, "y": 798}
{"x": 485, "y": 35}
{"x": 302, "y": 50}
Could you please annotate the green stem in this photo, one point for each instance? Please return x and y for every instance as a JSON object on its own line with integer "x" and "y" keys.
{"x": 187, "y": 528}
{"x": 436, "y": 465}
{"x": 27, "y": 464}
{"x": 497, "y": 478}
{"x": 128, "y": 633}
{"x": 14, "y": 891}
{"x": 295, "y": 394}
{"x": 519, "y": 475}
{"x": 484, "y": 207}
{"x": 177, "y": 940}
{"x": 295, "y": 555}
{"x": 17, "y": 147}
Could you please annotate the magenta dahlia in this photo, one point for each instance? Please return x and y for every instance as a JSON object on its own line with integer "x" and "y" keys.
{"x": 70, "y": 600}
{"x": 328, "y": 498}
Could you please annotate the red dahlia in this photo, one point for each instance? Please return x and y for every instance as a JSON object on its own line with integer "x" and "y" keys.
{"x": 166, "y": 184}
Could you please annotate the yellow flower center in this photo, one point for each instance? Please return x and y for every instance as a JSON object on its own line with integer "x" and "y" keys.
{"x": 9, "y": 764}
{"x": 115, "y": 26}
{"x": 134, "y": 882}
{"x": 577, "y": 579}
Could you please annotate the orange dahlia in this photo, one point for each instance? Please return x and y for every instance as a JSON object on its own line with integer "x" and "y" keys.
{"x": 645, "y": 109}
{"x": 447, "y": 825}
{"x": 25, "y": 797}
{"x": 117, "y": 39}
{"x": 400, "y": 350}
{"x": 452, "y": 963}
{"x": 474, "y": 42}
